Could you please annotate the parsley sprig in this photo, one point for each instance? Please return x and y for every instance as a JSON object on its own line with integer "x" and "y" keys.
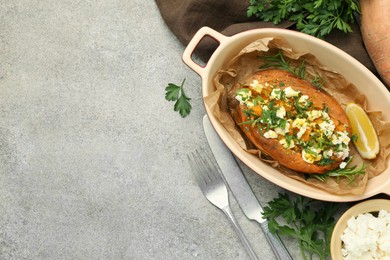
{"x": 314, "y": 17}
{"x": 176, "y": 93}
{"x": 308, "y": 220}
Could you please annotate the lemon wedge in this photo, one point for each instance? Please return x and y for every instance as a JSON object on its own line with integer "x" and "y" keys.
{"x": 367, "y": 142}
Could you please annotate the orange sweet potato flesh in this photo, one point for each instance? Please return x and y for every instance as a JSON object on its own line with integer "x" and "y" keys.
{"x": 288, "y": 158}
{"x": 375, "y": 26}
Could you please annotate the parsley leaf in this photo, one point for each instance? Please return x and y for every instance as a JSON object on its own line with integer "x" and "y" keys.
{"x": 176, "y": 93}
{"x": 314, "y": 17}
{"x": 308, "y": 220}
{"x": 172, "y": 92}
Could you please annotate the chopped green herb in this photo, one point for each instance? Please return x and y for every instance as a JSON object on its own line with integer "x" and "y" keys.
{"x": 258, "y": 100}
{"x": 325, "y": 161}
{"x": 302, "y": 107}
{"x": 325, "y": 108}
{"x": 243, "y": 95}
{"x": 289, "y": 138}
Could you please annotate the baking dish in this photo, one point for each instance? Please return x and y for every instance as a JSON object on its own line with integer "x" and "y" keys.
{"x": 353, "y": 71}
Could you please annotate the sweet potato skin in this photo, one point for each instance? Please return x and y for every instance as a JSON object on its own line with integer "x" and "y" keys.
{"x": 288, "y": 158}
{"x": 375, "y": 22}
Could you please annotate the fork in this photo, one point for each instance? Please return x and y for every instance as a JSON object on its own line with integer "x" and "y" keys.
{"x": 213, "y": 187}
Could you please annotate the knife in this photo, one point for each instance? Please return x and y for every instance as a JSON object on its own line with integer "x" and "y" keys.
{"x": 240, "y": 188}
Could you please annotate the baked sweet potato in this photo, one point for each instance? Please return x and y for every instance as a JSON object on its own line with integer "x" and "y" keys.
{"x": 375, "y": 22}
{"x": 298, "y": 125}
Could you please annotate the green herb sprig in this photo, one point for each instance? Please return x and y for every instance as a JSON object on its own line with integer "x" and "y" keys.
{"x": 278, "y": 61}
{"x": 313, "y": 17}
{"x": 176, "y": 93}
{"x": 308, "y": 220}
{"x": 349, "y": 173}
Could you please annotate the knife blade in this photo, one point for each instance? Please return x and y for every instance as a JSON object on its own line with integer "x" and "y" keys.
{"x": 240, "y": 188}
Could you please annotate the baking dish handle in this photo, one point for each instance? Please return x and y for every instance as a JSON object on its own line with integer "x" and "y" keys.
{"x": 199, "y": 35}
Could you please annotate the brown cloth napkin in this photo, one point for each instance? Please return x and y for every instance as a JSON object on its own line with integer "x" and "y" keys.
{"x": 186, "y": 17}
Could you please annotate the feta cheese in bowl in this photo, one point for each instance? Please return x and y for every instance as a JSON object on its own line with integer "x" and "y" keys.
{"x": 363, "y": 232}
{"x": 367, "y": 236}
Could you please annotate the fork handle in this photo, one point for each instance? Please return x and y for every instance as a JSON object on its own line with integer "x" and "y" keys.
{"x": 241, "y": 234}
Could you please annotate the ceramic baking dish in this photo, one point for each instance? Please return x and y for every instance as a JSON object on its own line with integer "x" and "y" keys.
{"x": 330, "y": 56}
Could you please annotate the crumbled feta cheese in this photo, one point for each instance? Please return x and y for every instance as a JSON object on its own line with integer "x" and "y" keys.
{"x": 314, "y": 114}
{"x": 279, "y": 131}
{"x": 270, "y": 134}
{"x": 367, "y": 237}
{"x": 281, "y": 112}
{"x": 327, "y": 153}
{"x": 289, "y": 92}
{"x": 303, "y": 99}
{"x": 287, "y": 126}
{"x": 249, "y": 104}
{"x": 327, "y": 127}
{"x": 345, "y": 138}
{"x": 343, "y": 165}
{"x": 340, "y": 138}
{"x": 283, "y": 131}
{"x": 299, "y": 122}
{"x": 256, "y": 86}
{"x": 275, "y": 94}
{"x": 301, "y": 132}
{"x": 312, "y": 155}
{"x": 286, "y": 145}
{"x": 243, "y": 95}
{"x": 343, "y": 153}
{"x": 325, "y": 115}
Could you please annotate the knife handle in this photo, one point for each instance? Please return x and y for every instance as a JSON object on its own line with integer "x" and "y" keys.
{"x": 277, "y": 245}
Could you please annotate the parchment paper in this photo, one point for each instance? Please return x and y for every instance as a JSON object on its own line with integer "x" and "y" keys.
{"x": 248, "y": 62}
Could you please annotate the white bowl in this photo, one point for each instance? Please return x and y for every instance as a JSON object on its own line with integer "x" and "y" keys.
{"x": 356, "y": 73}
{"x": 368, "y": 206}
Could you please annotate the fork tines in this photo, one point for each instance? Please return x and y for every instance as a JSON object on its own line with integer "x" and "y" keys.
{"x": 206, "y": 169}
{"x": 201, "y": 163}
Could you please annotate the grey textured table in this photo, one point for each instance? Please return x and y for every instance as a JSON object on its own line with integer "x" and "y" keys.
{"x": 93, "y": 159}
